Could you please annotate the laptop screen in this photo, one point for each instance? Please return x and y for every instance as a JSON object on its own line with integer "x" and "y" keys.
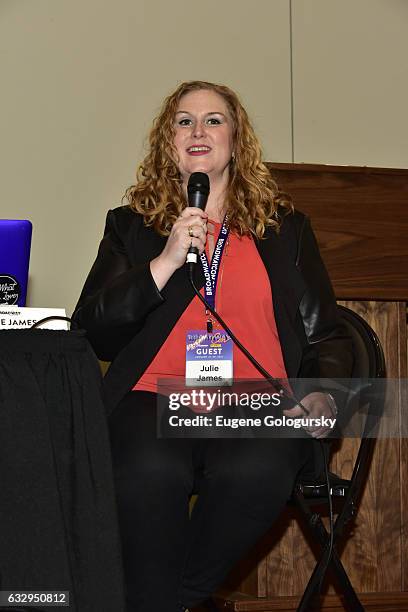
{"x": 15, "y": 243}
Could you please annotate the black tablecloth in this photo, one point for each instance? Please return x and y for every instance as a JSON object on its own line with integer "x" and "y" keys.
{"x": 58, "y": 527}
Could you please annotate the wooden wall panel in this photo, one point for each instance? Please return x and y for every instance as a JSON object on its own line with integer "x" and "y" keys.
{"x": 403, "y": 366}
{"x": 375, "y": 555}
{"x": 360, "y": 216}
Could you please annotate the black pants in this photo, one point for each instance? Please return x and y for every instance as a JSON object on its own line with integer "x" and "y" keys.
{"x": 168, "y": 556}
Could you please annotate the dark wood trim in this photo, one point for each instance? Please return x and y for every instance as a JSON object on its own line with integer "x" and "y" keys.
{"x": 329, "y": 168}
{"x": 372, "y": 602}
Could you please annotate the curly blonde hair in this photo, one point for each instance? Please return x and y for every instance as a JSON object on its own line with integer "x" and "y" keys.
{"x": 252, "y": 197}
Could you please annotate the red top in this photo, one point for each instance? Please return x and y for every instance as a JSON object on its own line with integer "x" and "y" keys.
{"x": 244, "y": 301}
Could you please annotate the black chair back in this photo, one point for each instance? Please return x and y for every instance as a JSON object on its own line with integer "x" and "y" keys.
{"x": 369, "y": 363}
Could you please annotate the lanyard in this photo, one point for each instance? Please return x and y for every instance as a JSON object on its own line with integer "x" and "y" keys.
{"x": 211, "y": 270}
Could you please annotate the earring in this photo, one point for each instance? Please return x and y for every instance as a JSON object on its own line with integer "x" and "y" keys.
{"x": 233, "y": 156}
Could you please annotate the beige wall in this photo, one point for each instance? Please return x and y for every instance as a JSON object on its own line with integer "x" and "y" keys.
{"x": 350, "y": 76}
{"x": 82, "y": 79}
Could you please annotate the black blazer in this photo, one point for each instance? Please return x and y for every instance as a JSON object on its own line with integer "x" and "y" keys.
{"x": 127, "y": 319}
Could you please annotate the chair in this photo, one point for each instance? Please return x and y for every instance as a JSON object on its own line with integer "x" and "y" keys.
{"x": 310, "y": 497}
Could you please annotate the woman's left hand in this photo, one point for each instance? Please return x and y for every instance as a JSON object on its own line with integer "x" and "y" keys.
{"x": 318, "y": 405}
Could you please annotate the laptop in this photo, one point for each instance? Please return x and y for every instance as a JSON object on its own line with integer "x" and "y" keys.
{"x": 15, "y": 244}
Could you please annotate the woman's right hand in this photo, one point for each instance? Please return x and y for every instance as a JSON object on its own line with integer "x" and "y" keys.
{"x": 191, "y": 221}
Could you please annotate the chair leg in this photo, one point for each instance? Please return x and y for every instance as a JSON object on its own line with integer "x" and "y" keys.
{"x": 316, "y": 580}
{"x": 313, "y": 587}
{"x": 335, "y": 564}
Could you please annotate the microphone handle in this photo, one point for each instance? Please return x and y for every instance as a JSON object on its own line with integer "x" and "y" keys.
{"x": 196, "y": 199}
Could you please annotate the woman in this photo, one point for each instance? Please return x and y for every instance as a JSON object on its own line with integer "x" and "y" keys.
{"x": 137, "y": 306}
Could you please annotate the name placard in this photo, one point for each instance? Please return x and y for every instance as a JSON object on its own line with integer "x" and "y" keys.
{"x": 18, "y": 317}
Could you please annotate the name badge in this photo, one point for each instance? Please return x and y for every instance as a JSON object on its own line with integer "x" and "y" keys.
{"x": 209, "y": 360}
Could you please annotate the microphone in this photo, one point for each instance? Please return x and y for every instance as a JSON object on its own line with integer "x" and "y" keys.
{"x": 198, "y": 189}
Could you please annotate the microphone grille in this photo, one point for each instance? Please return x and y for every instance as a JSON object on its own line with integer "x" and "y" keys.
{"x": 199, "y": 181}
